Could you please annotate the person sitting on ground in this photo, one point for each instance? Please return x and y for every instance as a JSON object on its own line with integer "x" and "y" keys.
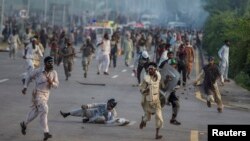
{"x": 95, "y": 112}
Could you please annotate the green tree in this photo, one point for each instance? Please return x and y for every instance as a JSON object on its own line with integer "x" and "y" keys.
{"x": 230, "y": 19}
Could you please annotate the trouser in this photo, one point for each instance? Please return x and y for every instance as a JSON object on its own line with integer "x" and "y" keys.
{"x": 139, "y": 70}
{"x": 182, "y": 69}
{"x": 113, "y": 57}
{"x": 40, "y": 108}
{"x": 92, "y": 115}
{"x": 189, "y": 67}
{"x": 103, "y": 61}
{"x": 136, "y": 58}
{"x": 175, "y": 108}
{"x": 25, "y": 49}
{"x": 13, "y": 49}
{"x": 67, "y": 68}
{"x": 59, "y": 60}
{"x": 128, "y": 57}
{"x": 54, "y": 54}
{"x": 148, "y": 47}
{"x": 85, "y": 63}
{"x": 173, "y": 99}
{"x": 213, "y": 95}
{"x": 224, "y": 72}
{"x": 44, "y": 45}
{"x": 150, "y": 109}
{"x": 78, "y": 113}
{"x": 29, "y": 68}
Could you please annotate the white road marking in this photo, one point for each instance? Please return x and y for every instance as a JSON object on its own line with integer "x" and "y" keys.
{"x": 124, "y": 70}
{"x": 131, "y": 66}
{"x": 201, "y": 133}
{"x": 3, "y": 80}
{"x": 114, "y": 76}
{"x": 23, "y": 74}
{"x": 194, "y": 136}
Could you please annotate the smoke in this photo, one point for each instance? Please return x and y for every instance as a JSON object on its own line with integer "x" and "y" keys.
{"x": 188, "y": 11}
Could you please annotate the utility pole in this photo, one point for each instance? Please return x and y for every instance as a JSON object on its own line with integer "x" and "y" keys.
{"x": 64, "y": 12}
{"x": 2, "y": 15}
{"x": 28, "y": 7}
{"x": 117, "y": 9}
{"x": 72, "y": 21}
{"x": 45, "y": 10}
{"x": 106, "y": 7}
{"x": 53, "y": 15}
{"x": 93, "y": 9}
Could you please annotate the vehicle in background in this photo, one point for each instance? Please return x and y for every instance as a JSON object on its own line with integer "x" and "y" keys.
{"x": 148, "y": 19}
{"x": 177, "y": 25}
{"x": 100, "y": 31}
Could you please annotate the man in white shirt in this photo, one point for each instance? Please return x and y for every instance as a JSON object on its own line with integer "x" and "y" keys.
{"x": 103, "y": 55}
{"x": 224, "y": 61}
{"x": 14, "y": 43}
{"x": 32, "y": 50}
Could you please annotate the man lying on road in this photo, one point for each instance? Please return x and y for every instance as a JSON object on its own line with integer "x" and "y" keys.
{"x": 103, "y": 113}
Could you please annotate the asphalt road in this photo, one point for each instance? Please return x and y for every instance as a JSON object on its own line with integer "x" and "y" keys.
{"x": 194, "y": 114}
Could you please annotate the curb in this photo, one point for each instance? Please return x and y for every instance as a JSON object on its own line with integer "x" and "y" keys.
{"x": 199, "y": 96}
{"x": 4, "y": 50}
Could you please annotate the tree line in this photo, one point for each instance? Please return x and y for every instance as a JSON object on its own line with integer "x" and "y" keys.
{"x": 230, "y": 19}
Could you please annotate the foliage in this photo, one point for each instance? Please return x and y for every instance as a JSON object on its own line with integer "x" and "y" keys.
{"x": 243, "y": 80}
{"x": 230, "y": 19}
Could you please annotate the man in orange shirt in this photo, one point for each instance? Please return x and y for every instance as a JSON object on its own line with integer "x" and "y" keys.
{"x": 190, "y": 58}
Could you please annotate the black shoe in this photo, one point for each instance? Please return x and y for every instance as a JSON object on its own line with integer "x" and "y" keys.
{"x": 47, "y": 136}
{"x": 105, "y": 73}
{"x": 184, "y": 84}
{"x": 85, "y": 120}
{"x": 85, "y": 75}
{"x": 23, "y": 81}
{"x": 142, "y": 124}
{"x": 126, "y": 64}
{"x": 64, "y": 114}
{"x": 209, "y": 104}
{"x": 98, "y": 73}
{"x": 158, "y": 137}
{"x": 23, "y": 127}
{"x": 175, "y": 122}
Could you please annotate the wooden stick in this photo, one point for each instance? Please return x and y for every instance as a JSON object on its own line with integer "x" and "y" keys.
{"x": 94, "y": 84}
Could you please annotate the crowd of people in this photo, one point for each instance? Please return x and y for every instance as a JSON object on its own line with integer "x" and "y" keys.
{"x": 148, "y": 51}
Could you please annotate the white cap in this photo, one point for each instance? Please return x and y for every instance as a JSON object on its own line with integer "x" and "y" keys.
{"x": 88, "y": 37}
{"x": 145, "y": 54}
